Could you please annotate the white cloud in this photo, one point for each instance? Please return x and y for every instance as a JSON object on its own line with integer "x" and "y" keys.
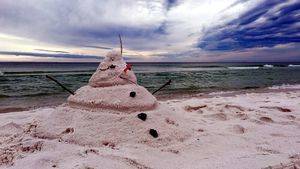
{"x": 187, "y": 22}
{"x": 60, "y": 24}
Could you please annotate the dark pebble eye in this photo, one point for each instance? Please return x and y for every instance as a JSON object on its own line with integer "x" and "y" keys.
{"x": 142, "y": 116}
{"x": 132, "y": 94}
{"x": 153, "y": 133}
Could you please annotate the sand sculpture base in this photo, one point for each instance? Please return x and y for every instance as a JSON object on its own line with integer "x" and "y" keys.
{"x": 113, "y": 97}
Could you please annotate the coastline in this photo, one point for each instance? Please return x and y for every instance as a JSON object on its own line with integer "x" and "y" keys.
{"x": 31, "y": 103}
{"x": 244, "y": 129}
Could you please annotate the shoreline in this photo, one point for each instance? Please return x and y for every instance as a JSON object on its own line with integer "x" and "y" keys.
{"x": 31, "y": 103}
{"x": 229, "y": 93}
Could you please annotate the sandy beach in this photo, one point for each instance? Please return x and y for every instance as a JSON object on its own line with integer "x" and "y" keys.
{"x": 247, "y": 130}
{"x": 139, "y": 84}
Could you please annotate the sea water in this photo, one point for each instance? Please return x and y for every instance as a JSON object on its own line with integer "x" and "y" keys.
{"x": 26, "y": 82}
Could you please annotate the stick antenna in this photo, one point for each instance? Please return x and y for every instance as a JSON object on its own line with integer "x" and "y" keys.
{"x": 121, "y": 44}
{"x": 61, "y": 85}
{"x": 166, "y": 84}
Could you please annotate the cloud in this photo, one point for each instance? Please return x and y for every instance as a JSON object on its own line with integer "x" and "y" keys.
{"x": 98, "y": 47}
{"x": 51, "y": 55}
{"x": 55, "y": 51}
{"x": 238, "y": 2}
{"x": 268, "y": 24}
{"x": 145, "y": 25}
{"x": 81, "y": 22}
{"x": 170, "y": 3}
{"x": 179, "y": 30}
{"x": 279, "y": 53}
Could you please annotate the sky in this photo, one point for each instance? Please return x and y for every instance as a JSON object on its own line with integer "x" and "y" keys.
{"x": 153, "y": 31}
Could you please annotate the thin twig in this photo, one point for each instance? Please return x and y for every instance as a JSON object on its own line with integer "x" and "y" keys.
{"x": 61, "y": 85}
{"x": 168, "y": 83}
{"x": 121, "y": 44}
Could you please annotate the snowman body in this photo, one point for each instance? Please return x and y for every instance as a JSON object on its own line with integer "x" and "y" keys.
{"x": 111, "y": 87}
{"x": 111, "y": 72}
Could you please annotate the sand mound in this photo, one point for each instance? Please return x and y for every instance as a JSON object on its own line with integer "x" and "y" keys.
{"x": 10, "y": 128}
{"x": 110, "y": 70}
{"x": 109, "y": 128}
{"x": 113, "y": 97}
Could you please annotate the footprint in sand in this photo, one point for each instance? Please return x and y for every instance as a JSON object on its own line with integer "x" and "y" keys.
{"x": 109, "y": 144}
{"x": 282, "y": 109}
{"x": 228, "y": 106}
{"x": 266, "y": 119}
{"x": 241, "y": 115}
{"x": 68, "y": 130}
{"x": 218, "y": 116}
{"x": 291, "y": 117}
{"x": 194, "y": 108}
{"x": 266, "y": 150}
{"x": 238, "y": 129}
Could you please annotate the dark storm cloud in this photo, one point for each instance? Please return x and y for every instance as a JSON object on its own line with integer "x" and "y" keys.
{"x": 161, "y": 29}
{"x": 170, "y": 3}
{"x": 268, "y": 24}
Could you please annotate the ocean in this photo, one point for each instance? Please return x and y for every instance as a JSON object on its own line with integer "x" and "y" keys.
{"x": 25, "y": 84}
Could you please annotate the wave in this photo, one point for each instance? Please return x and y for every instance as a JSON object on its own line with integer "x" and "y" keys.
{"x": 291, "y": 65}
{"x": 285, "y": 86}
{"x": 1, "y": 73}
{"x": 268, "y": 66}
{"x": 243, "y": 68}
{"x": 202, "y": 66}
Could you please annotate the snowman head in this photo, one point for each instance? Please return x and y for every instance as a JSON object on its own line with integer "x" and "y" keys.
{"x": 113, "y": 56}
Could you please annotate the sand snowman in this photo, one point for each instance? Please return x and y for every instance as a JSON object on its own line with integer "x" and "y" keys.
{"x": 111, "y": 111}
{"x": 113, "y": 86}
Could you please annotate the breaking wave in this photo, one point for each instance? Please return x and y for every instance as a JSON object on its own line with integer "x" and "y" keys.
{"x": 268, "y": 66}
{"x": 244, "y": 68}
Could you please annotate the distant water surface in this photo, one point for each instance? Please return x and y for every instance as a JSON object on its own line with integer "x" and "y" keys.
{"x": 25, "y": 83}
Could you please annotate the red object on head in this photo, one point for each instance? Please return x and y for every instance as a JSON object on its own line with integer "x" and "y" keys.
{"x": 128, "y": 67}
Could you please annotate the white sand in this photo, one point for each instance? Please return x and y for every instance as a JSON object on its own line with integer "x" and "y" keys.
{"x": 106, "y": 76}
{"x": 253, "y": 130}
{"x": 113, "y": 97}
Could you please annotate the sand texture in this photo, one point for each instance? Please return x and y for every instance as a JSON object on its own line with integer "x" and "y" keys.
{"x": 111, "y": 72}
{"x": 113, "y": 97}
{"x": 252, "y": 130}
